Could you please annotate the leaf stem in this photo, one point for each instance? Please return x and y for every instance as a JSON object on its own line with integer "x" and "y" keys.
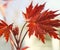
{"x": 22, "y": 31}
{"x": 23, "y": 39}
{"x": 12, "y": 42}
{"x": 16, "y": 40}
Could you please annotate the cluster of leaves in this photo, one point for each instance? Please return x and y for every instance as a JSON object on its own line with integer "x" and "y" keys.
{"x": 41, "y": 22}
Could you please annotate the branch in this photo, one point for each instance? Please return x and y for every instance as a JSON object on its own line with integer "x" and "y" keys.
{"x": 23, "y": 39}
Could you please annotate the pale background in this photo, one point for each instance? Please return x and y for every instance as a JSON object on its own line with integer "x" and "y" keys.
{"x": 17, "y": 6}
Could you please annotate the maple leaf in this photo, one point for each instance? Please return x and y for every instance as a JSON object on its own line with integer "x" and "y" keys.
{"x": 31, "y": 12}
{"x": 5, "y": 29}
{"x": 25, "y": 48}
{"x": 15, "y": 31}
{"x": 41, "y": 22}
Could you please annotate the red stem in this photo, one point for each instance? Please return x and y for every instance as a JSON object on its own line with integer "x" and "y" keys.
{"x": 12, "y": 40}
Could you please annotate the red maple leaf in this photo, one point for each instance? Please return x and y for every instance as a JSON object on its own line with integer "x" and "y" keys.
{"x": 15, "y": 31}
{"x": 31, "y": 12}
{"x": 5, "y": 29}
{"x": 25, "y": 48}
{"x": 41, "y": 22}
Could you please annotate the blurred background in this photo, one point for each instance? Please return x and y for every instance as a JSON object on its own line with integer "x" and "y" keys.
{"x": 12, "y": 10}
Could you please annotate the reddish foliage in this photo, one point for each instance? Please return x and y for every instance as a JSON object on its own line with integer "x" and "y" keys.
{"x": 5, "y": 29}
{"x": 31, "y": 12}
{"x": 25, "y": 48}
{"x": 15, "y": 31}
{"x": 41, "y": 22}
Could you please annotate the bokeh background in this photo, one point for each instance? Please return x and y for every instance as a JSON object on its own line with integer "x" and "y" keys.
{"x": 13, "y": 13}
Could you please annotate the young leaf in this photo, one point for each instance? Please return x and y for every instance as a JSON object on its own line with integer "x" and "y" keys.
{"x": 31, "y": 12}
{"x": 41, "y": 22}
{"x": 5, "y": 29}
{"x": 15, "y": 31}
